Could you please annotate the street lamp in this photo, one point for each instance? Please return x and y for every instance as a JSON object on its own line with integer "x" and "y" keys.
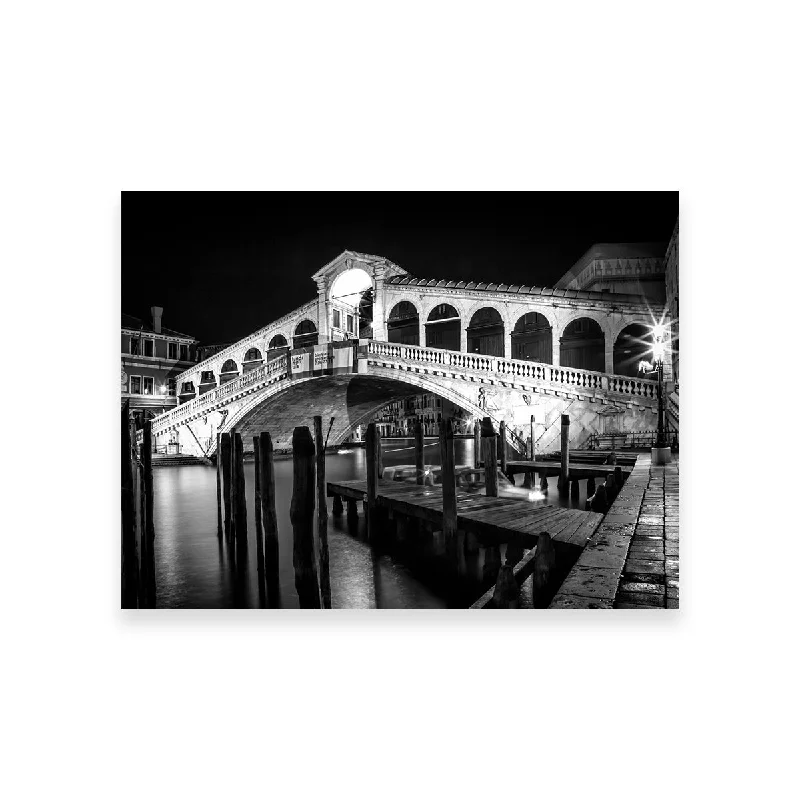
{"x": 658, "y": 362}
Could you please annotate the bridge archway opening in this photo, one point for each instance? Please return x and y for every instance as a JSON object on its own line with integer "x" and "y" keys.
{"x": 532, "y": 339}
{"x": 443, "y": 328}
{"x": 228, "y": 372}
{"x": 305, "y": 334}
{"x": 486, "y": 333}
{"x": 252, "y": 360}
{"x": 350, "y": 304}
{"x": 634, "y": 344}
{"x": 583, "y": 345}
{"x": 402, "y": 326}
{"x": 208, "y": 381}
{"x": 275, "y": 346}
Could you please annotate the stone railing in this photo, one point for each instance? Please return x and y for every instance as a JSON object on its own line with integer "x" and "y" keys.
{"x": 266, "y": 373}
{"x": 516, "y": 370}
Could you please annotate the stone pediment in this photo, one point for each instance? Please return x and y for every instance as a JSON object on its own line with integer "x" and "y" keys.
{"x": 376, "y": 267}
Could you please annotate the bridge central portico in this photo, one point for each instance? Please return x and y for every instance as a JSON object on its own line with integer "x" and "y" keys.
{"x": 374, "y": 334}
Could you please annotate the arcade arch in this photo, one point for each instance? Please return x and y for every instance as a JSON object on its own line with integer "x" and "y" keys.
{"x": 305, "y": 334}
{"x": 582, "y": 345}
{"x": 486, "y": 333}
{"x": 532, "y": 339}
{"x": 633, "y": 344}
{"x": 443, "y": 328}
{"x": 402, "y": 325}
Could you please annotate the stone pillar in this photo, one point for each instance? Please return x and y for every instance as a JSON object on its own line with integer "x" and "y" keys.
{"x": 556, "y": 348}
{"x": 463, "y": 345}
{"x": 609, "y": 352}
{"x": 323, "y": 325}
{"x": 422, "y": 342}
{"x": 378, "y": 311}
{"x": 506, "y": 341}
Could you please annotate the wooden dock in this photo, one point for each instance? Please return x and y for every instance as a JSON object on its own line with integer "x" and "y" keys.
{"x": 577, "y": 471}
{"x": 493, "y": 520}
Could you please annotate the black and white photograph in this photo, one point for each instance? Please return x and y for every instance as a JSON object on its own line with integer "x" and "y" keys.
{"x": 400, "y": 400}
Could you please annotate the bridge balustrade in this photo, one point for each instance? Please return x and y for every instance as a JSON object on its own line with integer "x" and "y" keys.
{"x": 531, "y": 370}
{"x": 412, "y": 354}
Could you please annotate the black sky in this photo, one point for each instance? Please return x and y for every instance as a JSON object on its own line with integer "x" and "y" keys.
{"x": 224, "y": 264}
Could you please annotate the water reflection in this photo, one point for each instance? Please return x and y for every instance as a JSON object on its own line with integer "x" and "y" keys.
{"x": 410, "y": 568}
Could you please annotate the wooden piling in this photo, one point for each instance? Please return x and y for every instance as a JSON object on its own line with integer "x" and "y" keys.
{"x": 563, "y": 478}
{"x": 501, "y": 447}
{"x": 618, "y": 477}
{"x": 302, "y": 517}
{"x": 533, "y": 440}
{"x": 268, "y": 514}
{"x": 476, "y": 437}
{"x": 322, "y": 500}
{"x": 575, "y": 489}
{"x": 373, "y": 446}
{"x": 130, "y": 558}
{"x": 224, "y": 456}
{"x": 489, "y": 447}
{"x": 240, "y": 514}
{"x": 149, "y": 556}
{"x": 262, "y": 581}
{"x": 338, "y": 506}
{"x": 491, "y": 563}
{"x": 544, "y": 563}
{"x": 322, "y": 516}
{"x": 219, "y": 486}
{"x": 449, "y": 510}
{"x": 506, "y": 590}
{"x": 591, "y": 486}
{"x": 419, "y": 451}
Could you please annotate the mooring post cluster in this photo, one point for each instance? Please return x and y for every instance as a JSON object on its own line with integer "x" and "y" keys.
{"x": 138, "y": 587}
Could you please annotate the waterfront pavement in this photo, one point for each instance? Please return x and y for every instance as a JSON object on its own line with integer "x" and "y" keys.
{"x": 632, "y": 559}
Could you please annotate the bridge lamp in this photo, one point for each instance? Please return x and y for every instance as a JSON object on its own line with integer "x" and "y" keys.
{"x": 659, "y": 335}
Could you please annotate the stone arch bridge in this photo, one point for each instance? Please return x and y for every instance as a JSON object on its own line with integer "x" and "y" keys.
{"x": 377, "y": 334}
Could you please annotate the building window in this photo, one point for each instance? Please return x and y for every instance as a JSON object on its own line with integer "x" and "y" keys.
{"x": 136, "y": 384}
{"x": 148, "y": 347}
{"x": 171, "y": 385}
{"x": 184, "y": 352}
{"x": 147, "y": 385}
{"x": 172, "y": 351}
{"x": 349, "y": 323}
{"x": 134, "y": 346}
{"x": 337, "y": 318}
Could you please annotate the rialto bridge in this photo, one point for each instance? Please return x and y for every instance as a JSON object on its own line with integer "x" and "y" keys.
{"x": 375, "y": 334}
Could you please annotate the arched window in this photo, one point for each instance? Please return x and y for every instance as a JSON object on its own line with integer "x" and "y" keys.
{"x": 532, "y": 339}
{"x": 583, "y": 345}
{"x": 486, "y": 333}
{"x": 402, "y": 325}
{"x": 443, "y": 328}
{"x": 305, "y": 334}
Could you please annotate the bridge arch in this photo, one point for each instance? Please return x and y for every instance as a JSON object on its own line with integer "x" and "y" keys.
{"x": 582, "y": 344}
{"x": 633, "y": 343}
{"x": 486, "y": 332}
{"x": 532, "y": 338}
{"x": 402, "y": 324}
{"x": 305, "y": 334}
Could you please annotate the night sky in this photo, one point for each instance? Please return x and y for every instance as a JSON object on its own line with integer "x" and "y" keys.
{"x": 223, "y": 265}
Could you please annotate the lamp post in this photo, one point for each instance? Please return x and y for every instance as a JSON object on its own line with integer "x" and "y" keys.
{"x": 658, "y": 362}
{"x": 661, "y": 452}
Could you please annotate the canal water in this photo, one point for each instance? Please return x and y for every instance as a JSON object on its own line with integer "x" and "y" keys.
{"x": 194, "y": 568}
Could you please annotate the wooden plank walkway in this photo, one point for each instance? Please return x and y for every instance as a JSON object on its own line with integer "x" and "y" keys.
{"x": 576, "y": 471}
{"x": 494, "y": 520}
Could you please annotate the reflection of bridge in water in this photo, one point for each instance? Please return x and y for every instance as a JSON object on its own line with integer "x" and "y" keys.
{"x": 357, "y": 347}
